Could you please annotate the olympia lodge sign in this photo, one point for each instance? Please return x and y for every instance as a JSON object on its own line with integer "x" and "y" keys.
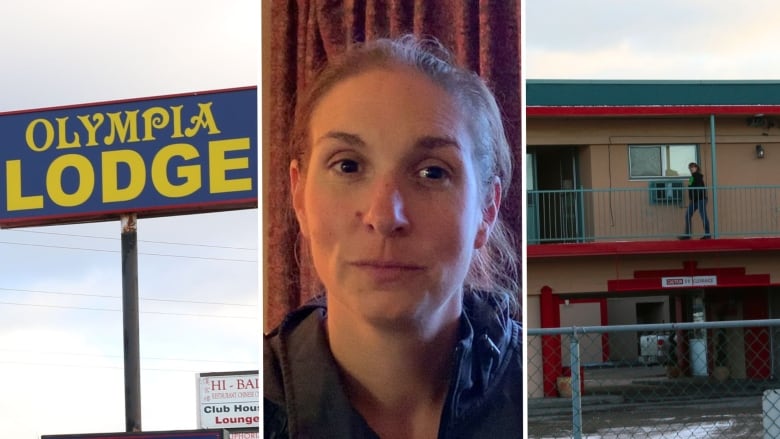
{"x": 159, "y": 156}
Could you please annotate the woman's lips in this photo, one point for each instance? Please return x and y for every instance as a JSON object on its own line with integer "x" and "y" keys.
{"x": 387, "y": 271}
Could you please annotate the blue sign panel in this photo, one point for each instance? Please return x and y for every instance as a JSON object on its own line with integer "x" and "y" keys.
{"x": 159, "y": 156}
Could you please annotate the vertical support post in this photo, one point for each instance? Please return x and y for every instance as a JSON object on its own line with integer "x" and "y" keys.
{"x": 713, "y": 178}
{"x": 132, "y": 356}
{"x": 576, "y": 396}
{"x": 579, "y": 212}
{"x": 551, "y": 344}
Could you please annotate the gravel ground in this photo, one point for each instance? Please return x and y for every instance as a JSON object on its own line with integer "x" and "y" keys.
{"x": 727, "y": 418}
{"x": 642, "y": 402}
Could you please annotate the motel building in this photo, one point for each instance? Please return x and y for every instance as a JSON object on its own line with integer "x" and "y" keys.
{"x": 606, "y": 174}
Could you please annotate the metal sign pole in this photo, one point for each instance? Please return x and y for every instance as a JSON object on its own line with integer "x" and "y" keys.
{"x": 132, "y": 365}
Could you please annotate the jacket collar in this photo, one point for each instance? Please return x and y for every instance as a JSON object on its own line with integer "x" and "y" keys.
{"x": 312, "y": 385}
{"x": 482, "y": 356}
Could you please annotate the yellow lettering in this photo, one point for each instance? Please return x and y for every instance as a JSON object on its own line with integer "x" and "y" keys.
{"x": 219, "y": 165}
{"x": 54, "y": 180}
{"x": 62, "y": 126}
{"x": 122, "y": 129}
{"x": 204, "y": 119}
{"x": 30, "y": 135}
{"x": 155, "y": 117}
{"x": 15, "y": 200}
{"x": 91, "y": 127}
{"x": 177, "y": 122}
{"x": 190, "y": 173}
{"x": 112, "y": 193}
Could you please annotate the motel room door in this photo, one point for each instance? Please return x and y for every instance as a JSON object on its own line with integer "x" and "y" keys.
{"x": 554, "y": 205}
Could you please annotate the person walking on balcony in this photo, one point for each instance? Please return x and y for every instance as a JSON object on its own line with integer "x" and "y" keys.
{"x": 697, "y": 197}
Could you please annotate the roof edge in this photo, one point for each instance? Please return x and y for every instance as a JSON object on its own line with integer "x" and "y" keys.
{"x": 627, "y": 248}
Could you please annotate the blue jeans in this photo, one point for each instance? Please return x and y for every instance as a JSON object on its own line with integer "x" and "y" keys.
{"x": 701, "y": 206}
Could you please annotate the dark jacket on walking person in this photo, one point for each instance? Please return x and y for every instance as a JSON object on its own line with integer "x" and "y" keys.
{"x": 697, "y": 197}
{"x": 696, "y": 187}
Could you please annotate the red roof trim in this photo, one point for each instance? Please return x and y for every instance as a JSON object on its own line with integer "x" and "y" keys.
{"x": 652, "y": 110}
{"x": 537, "y": 251}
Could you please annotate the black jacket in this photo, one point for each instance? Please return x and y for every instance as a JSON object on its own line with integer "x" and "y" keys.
{"x": 304, "y": 398}
{"x": 696, "y": 187}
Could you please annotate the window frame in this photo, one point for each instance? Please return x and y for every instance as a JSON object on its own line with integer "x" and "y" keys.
{"x": 665, "y": 152}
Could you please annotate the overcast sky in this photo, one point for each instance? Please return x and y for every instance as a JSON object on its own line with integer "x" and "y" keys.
{"x": 660, "y": 39}
{"x": 60, "y": 287}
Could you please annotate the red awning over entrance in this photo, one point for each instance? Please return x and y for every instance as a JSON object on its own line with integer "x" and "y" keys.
{"x": 690, "y": 276}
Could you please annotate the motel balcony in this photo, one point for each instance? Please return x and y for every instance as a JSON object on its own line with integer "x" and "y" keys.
{"x": 655, "y": 212}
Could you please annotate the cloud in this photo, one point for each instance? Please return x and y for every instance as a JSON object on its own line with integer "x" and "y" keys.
{"x": 47, "y": 390}
{"x": 613, "y": 39}
{"x": 84, "y": 51}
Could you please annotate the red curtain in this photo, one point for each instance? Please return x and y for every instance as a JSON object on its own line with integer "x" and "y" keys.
{"x": 484, "y": 36}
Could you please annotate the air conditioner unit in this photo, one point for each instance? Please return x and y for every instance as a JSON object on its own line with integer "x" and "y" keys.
{"x": 668, "y": 192}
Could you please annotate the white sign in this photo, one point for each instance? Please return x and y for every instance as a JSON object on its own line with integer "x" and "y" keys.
{"x": 229, "y": 400}
{"x": 689, "y": 281}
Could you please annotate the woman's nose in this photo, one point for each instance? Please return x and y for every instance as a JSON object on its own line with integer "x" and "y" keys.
{"x": 386, "y": 211}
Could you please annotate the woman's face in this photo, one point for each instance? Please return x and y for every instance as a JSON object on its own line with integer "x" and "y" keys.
{"x": 389, "y": 199}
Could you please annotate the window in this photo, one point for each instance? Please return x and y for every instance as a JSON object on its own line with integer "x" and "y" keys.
{"x": 668, "y": 192}
{"x": 656, "y": 161}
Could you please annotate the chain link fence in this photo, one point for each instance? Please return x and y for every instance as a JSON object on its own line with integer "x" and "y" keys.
{"x": 683, "y": 380}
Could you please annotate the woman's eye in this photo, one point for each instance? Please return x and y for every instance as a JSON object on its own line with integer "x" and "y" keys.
{"x": 347, "y": 166}
{"x": 433, "y": 173}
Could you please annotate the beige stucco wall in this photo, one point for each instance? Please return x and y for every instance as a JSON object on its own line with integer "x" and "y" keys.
{"x": 604, "y": 141}
{"x": 582, "y": 314}
{"x": 603, "y": 164}
{"x": 573, "y": 275}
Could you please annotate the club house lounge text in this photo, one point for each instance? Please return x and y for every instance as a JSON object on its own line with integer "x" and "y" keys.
{"x": 249, "y": 419}
{"x": 68, "y": 137}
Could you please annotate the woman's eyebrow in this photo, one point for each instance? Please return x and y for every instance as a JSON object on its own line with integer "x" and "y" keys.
{"x": 424, "y": 142}
{"x": 434, "y": 142}
{"x": 348, "y": 138}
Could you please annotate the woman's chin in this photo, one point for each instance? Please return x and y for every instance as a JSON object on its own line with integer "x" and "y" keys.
{"x": 393, "y": 315}
{"x": 403, "y": 314}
